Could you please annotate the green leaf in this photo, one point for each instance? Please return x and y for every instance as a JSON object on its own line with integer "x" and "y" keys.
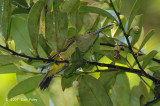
{"x": 133, "y": 13}
{"x": 76, "y": 20}
{"x": 108, "y": 79}
{"x": 126, "y": 4}
{"x": 77, "y": 57}
{"x": 24, "y": 86}
{"x": 88, "y": 21}
{"x": 121, "y": 90}
{"x": 136, "y": 93}
{"x": 148, "y": 36}
{"x": 137, "y": 29}
{"x": 140, "y": 58}
{"x": 8, "y": 68}
{"x": 68, "y": 80}
{"x": 154, "y": 68}
{"x": 77, "y": 61}
{"x": 92, "y": 93}
{"x": 86, "y": 9}
{"x": 37, "y": 95}
{"x": 60, "y": 97}
{"x": 6, "y": 59}
{"x": 20, "y": 10}
{"x": 72, "y": 31}
{"x": 19, "y": 33}
{"x": 68, "y": 5}
{"x": 34, "y": 22}
{"x": 61, "y": 29}
{"x": 50, "y": 31}
{"x": 5, "y": 14}
{"x": 43, "y": 44}
{"x": 20, "y": 2}
{"x": 148, "y": 58}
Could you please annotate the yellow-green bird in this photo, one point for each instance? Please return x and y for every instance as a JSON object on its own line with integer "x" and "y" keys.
{"x": 83, "y": 42}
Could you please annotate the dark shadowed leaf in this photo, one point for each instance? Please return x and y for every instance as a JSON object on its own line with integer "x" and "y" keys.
{"x": 50, "y": 31}
{"x": 20, "y": 2}
{"x": 92, "y": 93}
{"x": 148, "y": 58}
{"x": 24, "y": 86}
{"x": 61, "y": 28}
{"x": 34, "y": 22}
{"x": 77, "y": 57}
{"x": 5, "y": 14}
{"x": 43, "y": 44}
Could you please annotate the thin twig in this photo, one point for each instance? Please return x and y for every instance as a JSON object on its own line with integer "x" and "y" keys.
{"x": 152, "y": 101}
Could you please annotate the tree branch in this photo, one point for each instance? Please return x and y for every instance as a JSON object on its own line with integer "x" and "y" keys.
{"x": 33, "y": 58}
{"x": 122, "y": 48}
{"x": 132, "y": 52}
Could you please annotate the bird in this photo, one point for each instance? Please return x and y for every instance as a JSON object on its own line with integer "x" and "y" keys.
{"x": 82, "y": 42}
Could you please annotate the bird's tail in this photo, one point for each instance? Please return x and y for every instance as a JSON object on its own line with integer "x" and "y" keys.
{"x": 44, "y": 84}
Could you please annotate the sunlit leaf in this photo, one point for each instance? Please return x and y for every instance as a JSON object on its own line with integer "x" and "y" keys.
{"x": 92, "y": 93}
{"x": 148, "y": 36}
{"x": 34, "y": 22}
{"x": 24, "y": 86}
{"x": 5, "y": 14}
